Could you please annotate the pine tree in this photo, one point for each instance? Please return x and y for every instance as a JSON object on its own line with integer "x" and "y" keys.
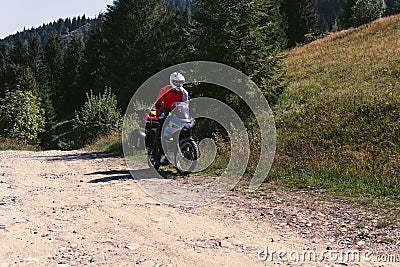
{"x": 245, "y": 35}
{"x": 343, "y": 21}
{"x": 25, "y": 80}
{"x": 301, "y": 20}
{"x": 141, "y": 39}
{"x": 74, "y": 24}
{"x": 94, "y": 73}
{"x": 68, "y": 23}
{"x": 4, "y": 67}
{"x": 18, "y": 77}
{"x": 390, "y": 7}
{"x": 4, "y": 56}
{"x": 396, "y": 9}
{"x": 36, "y": 60}
{"x": 19, "y": 52}
{"x": 35, "y": 56}
{"x": 49, "y": 115}
{"x": 15, "y": 72}
{"x": 74, "y": 95}
{"x": 327, "y": 11}
{"x": 358, "y": 12}
{"x": 53, "y": 59}
{"x": 187, "y": 30}
{"x": 365, "y": 11}
{"x": 83, "y": 20}
{"x": 59, "y": 25}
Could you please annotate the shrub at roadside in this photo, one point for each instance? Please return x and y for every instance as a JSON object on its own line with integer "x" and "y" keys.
{"x": 110, "y": 144}
{"x": 22, "y": 118}
{"x": 98, "y": 116}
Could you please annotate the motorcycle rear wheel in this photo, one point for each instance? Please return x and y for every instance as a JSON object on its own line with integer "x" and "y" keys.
{"x": 152, "y": 162}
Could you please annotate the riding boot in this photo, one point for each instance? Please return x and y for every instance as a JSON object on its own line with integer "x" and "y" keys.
{"x": 159, "y": 149}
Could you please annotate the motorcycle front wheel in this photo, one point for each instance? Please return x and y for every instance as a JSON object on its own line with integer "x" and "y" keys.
{"x": 185, "y": 159}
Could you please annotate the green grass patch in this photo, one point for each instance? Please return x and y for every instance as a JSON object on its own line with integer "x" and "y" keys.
{"x": 62, "y": 136}
{"x": 8, "y": 144}
{"x": 384, "y": 223}
{"x": 110, "y": 144}
{"x": 218, "y": 166}
{"x": 338, "y": 122}
{"x": 338, "y": 184}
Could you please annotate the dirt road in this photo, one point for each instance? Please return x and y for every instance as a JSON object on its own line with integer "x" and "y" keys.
{"x": 78, "y": 209}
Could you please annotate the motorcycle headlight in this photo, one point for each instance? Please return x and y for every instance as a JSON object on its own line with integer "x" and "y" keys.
{"x": 187, "y": 126}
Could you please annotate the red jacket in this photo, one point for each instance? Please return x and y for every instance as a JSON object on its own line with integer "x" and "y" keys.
{"x": 168, "y": 95}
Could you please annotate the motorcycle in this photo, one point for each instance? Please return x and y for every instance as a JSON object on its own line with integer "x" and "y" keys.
{"x": 175, "y": 144}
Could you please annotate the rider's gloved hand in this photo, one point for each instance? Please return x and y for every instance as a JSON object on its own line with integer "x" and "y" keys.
{"x": 163, "y": 114}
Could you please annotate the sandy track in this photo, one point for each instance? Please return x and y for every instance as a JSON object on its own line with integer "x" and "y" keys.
{"x": 76, "y": 209}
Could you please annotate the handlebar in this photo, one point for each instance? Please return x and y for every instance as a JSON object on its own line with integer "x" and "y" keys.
{"x": 141, "y": 111}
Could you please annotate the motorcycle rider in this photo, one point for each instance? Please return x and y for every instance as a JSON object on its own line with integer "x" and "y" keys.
{"x": 167, "y": 96}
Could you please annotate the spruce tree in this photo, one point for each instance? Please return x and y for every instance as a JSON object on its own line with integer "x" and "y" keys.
{"x": 390, "y": 7}
{"x": 68, "y": 23}
{"x": 73, "y": 94}
{"x": 25, "y": 80}
{"x": 36, "y": 60}
{"x": 344, "y": 20}
{"x": 19, "y": 52}
{"x": 142, "y": 38}
{"x": 302, "y": 20}
{"x": 187, "y": 31}
{"x": 4, "y": 67}
{"x": 35, "y": 56}
{"x": 53, "y": 59}
{"x": 245, "y": 35}
{"x": 327, "y": 11}
{"x": 358, "y": 12}
{"x": 396, "y": 9}
{"x": 74, "y": 23}
{"x": 83, "y": 20}
{"x": 93, "y": 72}
{"x": 365, "y": 11}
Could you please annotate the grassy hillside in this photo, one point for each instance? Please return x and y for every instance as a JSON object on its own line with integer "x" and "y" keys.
{"x": 339, "y": 120}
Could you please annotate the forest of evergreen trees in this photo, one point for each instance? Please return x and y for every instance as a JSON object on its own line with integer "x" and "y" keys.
{"x": 45, "y": 73}
{"x": 65, "y": 28}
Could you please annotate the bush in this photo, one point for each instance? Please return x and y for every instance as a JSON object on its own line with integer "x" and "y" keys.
{"x": 22, "y": 118}
{"x": 358, "y": 12}
{"x": 98, "y": 116}
{"x": 365, "y": 11}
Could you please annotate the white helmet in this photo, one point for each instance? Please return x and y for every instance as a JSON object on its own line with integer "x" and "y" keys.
{"x": 177, "y": 80}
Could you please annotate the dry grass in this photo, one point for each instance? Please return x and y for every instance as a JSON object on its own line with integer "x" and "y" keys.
{"x": 110, "y": 144}
{"x": 341, "y": 112}
{"x": 9, "y": 144}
